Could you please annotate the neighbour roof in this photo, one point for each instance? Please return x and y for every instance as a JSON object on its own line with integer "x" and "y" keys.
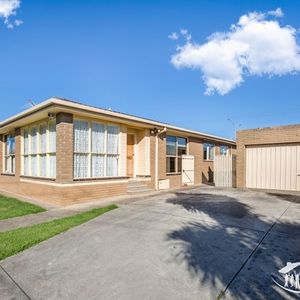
{"x": 71, "y": 104}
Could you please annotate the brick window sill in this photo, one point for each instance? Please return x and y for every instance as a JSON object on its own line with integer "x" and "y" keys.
{"x": 37, "y": 178}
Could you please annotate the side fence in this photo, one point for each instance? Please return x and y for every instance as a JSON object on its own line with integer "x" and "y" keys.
{"x": 225, "y": 171}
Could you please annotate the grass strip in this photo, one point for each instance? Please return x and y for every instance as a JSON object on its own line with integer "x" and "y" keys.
{"x": 12, "y": 207}
{"x": 17, "y": 240}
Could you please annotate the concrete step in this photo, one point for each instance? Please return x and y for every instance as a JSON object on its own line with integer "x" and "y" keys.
{"x": 137, "y": 187}
{"x": 139, "y": 190}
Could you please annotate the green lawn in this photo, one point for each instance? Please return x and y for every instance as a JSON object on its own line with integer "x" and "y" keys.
{"x": 14, "y": 241}
{"x": 11, "y": 207}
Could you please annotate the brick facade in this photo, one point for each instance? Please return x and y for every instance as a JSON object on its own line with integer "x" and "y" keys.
{"x": 64, "y": 190}
{"x": 262, "y": 136}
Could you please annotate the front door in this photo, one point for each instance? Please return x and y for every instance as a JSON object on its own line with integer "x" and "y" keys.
{"x": 130, "y": 155}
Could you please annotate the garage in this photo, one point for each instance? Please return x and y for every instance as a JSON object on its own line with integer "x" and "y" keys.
{"x": 273, "y": 167}
{"x": 269, "y": 158}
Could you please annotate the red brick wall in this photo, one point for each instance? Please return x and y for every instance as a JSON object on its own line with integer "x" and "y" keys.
{"x": 1, "y": 153}
{"x": 60, "y": 194}
{"x": 64, "y": 148}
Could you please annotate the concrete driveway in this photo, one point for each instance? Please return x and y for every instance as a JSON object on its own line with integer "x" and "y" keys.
{"x": 186, "y": 245}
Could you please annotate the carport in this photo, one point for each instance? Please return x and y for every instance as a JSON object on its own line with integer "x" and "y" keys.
{"x": 269, "y": 158}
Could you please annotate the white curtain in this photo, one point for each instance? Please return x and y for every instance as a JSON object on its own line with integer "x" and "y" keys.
{"x": 26, "y": 166}
{"x": 52, "y": 165}
{"x": 112, "y": 139}
{"x": 112, "y": 165}
{"x": 81, "y": 136}
{"x": 33, "y": 165}
{"x": 43, "y": 138}
{"x": 81, "y": 165}
{"x": 98, "y": 165}
{"x": 43, "y": 165}
{"x": 26, "y": 141}
{"x": 33, "y": 140}
{"x": 103, "y": 158}
{"x": 52, "y": 136}
{"x": 98, "y": 138}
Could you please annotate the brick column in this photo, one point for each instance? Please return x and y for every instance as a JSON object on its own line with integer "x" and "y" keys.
{"x": 64, "y": 148}
{"x": 18, "y": 153}
{"x": 1, "y": 153}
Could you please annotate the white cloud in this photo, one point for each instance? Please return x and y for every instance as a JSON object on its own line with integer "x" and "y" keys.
{"x": 257, "y": 45}
{"x": 8, "y": 8}
{"x": 173, "y": 36}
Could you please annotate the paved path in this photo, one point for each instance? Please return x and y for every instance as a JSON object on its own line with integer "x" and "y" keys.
{"x": 188, "y": 245}
{"x": 56, "y": 212}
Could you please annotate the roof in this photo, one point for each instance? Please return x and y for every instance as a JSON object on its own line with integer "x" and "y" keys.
{"x": 70, "y": 105}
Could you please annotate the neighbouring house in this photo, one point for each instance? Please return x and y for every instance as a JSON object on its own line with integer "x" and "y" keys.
{"x": 64, "y": 152}
{"x": 269, "y": 158}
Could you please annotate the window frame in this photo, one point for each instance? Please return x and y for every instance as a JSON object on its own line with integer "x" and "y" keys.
{"x": 176, "y": 156}
{"x": 10, "y": 156}
{"x": 227, "y": 150}
{"x": 208, "y": 155}
{"x": 90, "y": 153}
{"x": 38, "y": 153}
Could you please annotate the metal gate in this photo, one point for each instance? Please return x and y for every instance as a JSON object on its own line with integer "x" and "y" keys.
{"x": 188, "y": 171}
{"x": 225, "y": 170}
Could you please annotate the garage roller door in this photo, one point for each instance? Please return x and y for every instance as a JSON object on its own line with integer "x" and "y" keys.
{"x": 273, "y": 167}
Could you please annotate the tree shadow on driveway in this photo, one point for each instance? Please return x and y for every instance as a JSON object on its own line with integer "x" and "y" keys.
{"x": 236, "y": 250}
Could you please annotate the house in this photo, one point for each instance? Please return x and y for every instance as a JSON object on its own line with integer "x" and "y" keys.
{"x": 64, "y": 152}
{"x": 269, "y": 158}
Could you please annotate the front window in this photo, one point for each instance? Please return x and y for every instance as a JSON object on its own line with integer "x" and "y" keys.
{"x": 176, "y": 147}
{"x": 96, "y": 150}
{"x": 39, "y": 150}
{"x": 224, "y": 150}
{"x": 10, "y": 146}
{"x": 208, "y": 151}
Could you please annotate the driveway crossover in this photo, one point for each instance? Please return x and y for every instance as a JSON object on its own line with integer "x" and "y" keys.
{"x": 186, "y": 245}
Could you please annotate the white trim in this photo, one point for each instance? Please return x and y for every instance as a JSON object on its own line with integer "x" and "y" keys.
{"x": 92, "y": 182}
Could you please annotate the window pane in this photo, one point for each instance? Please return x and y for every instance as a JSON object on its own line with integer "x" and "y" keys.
{"x": 208, "y": 151}
{"x": 80, "y": 165}
{"x": 182, "y": 142}
{"x": 205, "y": 152}
{"x": 52, "y": 136}
{"x": 179, "y": 164}
{"x": 223, "y": 150}
{"x": 33, "y": 140}
{"x": 33, "y": 165}
{"x": 98, "y": 138}
{"x": 112, "y": 139}
{"x": 211, "y": 153}
{"x": 8, "y": 164}
{"x": 171, "y": 164}
{"x": 171, "y": 145}
{"x": 26, "y": 141}
{"x": 52, "y": 165}
{"x": 43, "y": 165}
{"x": 81, "y": 136}
{"x": 98, "y": 165}
{"x": 26, "y": 166}
{"x": 112, "y": 165}
{"x": 43, "y": 138}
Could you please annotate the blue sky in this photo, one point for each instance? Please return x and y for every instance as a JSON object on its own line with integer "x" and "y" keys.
{"x": 116, "y": 54}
